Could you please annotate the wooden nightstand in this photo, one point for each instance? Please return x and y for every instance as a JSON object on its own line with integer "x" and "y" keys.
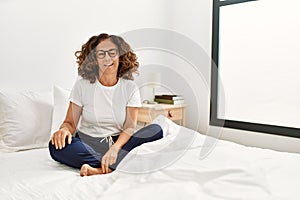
{"x": 148, "y": 112}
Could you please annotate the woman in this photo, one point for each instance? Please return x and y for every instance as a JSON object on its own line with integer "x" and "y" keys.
{"x": 98, "y": 130}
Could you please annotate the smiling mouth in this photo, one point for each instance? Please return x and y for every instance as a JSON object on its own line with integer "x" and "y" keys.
{"x": 108, "y": 65}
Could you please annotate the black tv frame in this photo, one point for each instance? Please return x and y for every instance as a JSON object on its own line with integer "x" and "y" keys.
{"x": 214, "y": 120}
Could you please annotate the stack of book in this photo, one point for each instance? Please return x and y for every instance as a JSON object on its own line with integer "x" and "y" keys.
{"x": 169, "y": 99}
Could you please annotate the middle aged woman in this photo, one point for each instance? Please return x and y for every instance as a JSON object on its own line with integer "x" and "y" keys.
{"x": 98, "y": 130}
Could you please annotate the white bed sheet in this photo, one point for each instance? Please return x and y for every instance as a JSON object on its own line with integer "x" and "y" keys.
{"x": 230, "y": 171}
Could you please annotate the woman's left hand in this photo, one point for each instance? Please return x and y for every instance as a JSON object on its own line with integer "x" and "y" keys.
{"x": 109, "y": 158}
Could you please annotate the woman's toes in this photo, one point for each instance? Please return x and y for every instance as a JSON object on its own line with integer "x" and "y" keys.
{"x": 84, "y": 170}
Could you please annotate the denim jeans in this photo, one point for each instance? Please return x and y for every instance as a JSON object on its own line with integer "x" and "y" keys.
{"x": 85, "y": 149}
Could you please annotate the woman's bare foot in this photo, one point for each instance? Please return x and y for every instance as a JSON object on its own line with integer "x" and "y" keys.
{"x": 87, "y": 170}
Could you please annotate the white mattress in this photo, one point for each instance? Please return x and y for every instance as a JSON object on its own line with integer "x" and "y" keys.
{"x": 230, "y": 171}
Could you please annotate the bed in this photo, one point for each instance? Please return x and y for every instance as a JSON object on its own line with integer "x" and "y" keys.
{"x": 170, "y": 168}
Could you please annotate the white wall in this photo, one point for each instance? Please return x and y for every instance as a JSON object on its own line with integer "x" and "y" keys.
{"x": 38, "y": 39}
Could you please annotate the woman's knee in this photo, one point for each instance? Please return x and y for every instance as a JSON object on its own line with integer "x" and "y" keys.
{"x": 156, "y": 130}
{"x": 56, "y": 154}
{"x": 53, "y": 151}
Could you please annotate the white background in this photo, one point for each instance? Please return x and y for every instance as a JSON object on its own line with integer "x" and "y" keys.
{"x": 258, "y": 63}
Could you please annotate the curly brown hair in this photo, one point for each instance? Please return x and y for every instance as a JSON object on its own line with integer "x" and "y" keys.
{"x": 87, "y": 63}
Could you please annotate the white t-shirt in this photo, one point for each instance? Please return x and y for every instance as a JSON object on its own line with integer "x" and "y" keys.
{"x": 103, "y": 107}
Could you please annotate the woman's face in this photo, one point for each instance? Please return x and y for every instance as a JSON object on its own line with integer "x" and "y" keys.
{"x": 107, "y": 57}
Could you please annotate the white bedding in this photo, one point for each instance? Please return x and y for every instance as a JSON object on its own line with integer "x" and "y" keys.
{"x": 230, "y": 171}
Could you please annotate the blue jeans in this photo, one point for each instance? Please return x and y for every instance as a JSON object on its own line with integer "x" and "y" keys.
{"x": 87, "y": 150}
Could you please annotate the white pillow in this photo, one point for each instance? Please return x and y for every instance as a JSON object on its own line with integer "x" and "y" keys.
{"x": 25, "y": 120}
{"x": 61, "y": 104}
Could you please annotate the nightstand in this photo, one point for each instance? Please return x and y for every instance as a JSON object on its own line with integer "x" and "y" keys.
{"x": 148, "y": 112}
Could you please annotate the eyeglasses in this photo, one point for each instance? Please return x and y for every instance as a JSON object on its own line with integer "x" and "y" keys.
{"x": 101, "y": 54}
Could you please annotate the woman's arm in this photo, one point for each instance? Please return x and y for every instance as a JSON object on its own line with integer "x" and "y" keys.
{"x": 129, "y": 126}
{"x": 71, "y": 121}
{"x": 68, "y": 127}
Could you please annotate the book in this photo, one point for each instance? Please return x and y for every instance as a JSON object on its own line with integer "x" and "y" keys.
{"x": 169, "y": 101}
{"x": 169, "y": 97}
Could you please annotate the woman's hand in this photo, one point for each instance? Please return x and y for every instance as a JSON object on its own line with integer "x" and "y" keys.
{"x": 59, "y": 137}
{"x": 68, "y": 127}
{"x": 109, "y": 158}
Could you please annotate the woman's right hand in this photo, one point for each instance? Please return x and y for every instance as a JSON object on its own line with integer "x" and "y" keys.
{"x": 69, "y": 126}
{"x": 59, "y": 138}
